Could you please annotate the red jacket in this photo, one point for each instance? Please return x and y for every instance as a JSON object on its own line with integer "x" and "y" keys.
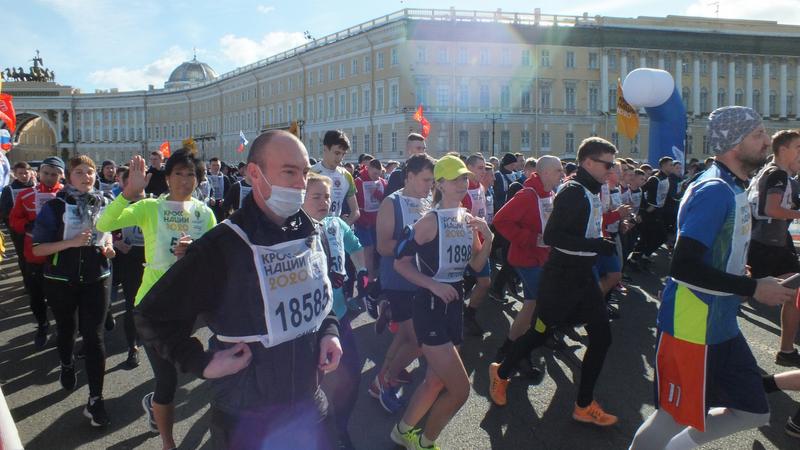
{"x": 367, "y": 218}
{"x": 610, "y": 217}
{"x": 23, "y": 214}
{"x": 519, "y": 221}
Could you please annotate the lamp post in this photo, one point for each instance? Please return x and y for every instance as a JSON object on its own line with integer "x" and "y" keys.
{"x": 203, "y": 138}
{"x": 494, "y": 117}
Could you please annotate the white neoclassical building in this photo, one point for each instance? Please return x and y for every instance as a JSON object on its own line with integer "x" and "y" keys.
{"x": 489, "y": 81}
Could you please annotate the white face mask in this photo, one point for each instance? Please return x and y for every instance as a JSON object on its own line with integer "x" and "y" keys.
{"x": 283, "y": 201}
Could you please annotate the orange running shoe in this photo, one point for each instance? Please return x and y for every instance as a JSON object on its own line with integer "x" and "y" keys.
{"x": 497, "y": 386}
{"x": 594, "y": 414}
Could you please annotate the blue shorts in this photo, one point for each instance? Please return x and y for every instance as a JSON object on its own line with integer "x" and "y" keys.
{"x": 733, "y": 379}
{"x": 367, "y": 236}
{"x": 608, "y": 264}
{"x": 530, "y": 281}
{"x": 485, "y": 272}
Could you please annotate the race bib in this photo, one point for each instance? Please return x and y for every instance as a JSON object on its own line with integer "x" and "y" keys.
{"x": 41, "y": 198}
{"x": 373, "y": 194}
{"x": 176, "y": 219}
{"x": 133, "y": 236}
{"x": 455, "y": 244}
{"x": 244, "y": 191}
{"x": 217, "y": 183}
{"x": 545, "y": 209}
{"x": 73, "y": 225}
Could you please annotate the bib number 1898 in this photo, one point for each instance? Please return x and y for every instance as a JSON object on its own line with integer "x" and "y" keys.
{"x": 302, "y": 310}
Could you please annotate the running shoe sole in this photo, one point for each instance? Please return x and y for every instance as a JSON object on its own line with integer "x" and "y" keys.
{"x": 148, "y": 410}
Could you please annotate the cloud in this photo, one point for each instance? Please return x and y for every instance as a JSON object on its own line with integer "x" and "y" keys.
{"x": 264, "y": 9}
{"x": 242, "y": 51}
{"x": 130, "y": 79}
{"x": 784, "y": 11}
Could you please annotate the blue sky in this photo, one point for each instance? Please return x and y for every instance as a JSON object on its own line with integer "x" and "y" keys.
{"x": 101, "y": 44}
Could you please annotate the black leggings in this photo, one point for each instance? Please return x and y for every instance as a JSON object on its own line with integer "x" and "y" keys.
{"x": 653, "y": 233}
{"x": 34, "y": 284}
{"x": 166, "y": 377}
{"x": 599, "y": 333}
{"x": 130, "y": 268}
{"x": 84, "y": 307}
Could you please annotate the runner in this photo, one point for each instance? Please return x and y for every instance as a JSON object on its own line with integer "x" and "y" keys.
{"x": 168, "y": 225}
{"x": 22, "y": 181}
{"x": 522, "y": 221}
{"x": 476, "y": 204}
{"x": 369, "y": 188}
{"x": 22, "y": 218}
{"x": 158, "y": 182}
{"x": 503, "y": 178}
{"x": 335, "y": 145}
{"x": 568, "y": 291}
{"x": 415, "y": 144}
{"x": 444, "y": 242}
{"x": 708, "y": 385}
{"x": 77, "y": 277}
{"x": 341, "y": 386}
{"x": 235, "y": 196}
{"x": 771, "y": 252}
{"x": 265, "y": 386}
{"x": 653, "y": 227}
{"x": 399, "y": 210}
{"x": 106, "y": 178}
{"x": 219, "y": 184}
{"x": 609, "y": 267}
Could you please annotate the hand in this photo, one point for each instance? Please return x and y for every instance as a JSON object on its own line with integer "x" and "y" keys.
{"x": 228, "y": 362}
{"x": 770, "y": 292}
{"x": 138, "y": 178}
{"x": 481, "y": 227}
{"x": 108, "y": 252}
{"x": 212, "y": 202}
{"x": 444, "y": 291}
{"x": 337, "y": 279}
{"x": 362, "y": 278}
{"x": 82, "y": 239}
{"x": 624, "y": 210}
{"x": 183, "y": 244}
{"x": 330, "y": 352}
{"x": 122, "y": 246}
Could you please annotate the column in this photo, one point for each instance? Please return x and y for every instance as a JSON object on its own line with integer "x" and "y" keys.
{"x": 748, "y": 84}
{"x": 83, "y": 126}
{"x": 661, "y": 60}
{"x": 93, "y": 113}
{"x": 765, "y": 89}
{"x": 604, "y": 82}
{"x": 714, "y": 83}
{"x": 59, "y": 126}
{"x": 127, "y": 124}
{"x": 135, "y": 123}
{"x": 623, "y": 65}
{"x": 696, "y": 85}
{"x": 102, "y": 125}
{"x": 679, "y": 73}
{"x": 731, "y": 81}
{"x": 797, "y": 90}
{"x": 783, "y": 89}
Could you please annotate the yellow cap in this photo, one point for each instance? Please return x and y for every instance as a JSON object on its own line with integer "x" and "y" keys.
{"x": 450, "y": 167}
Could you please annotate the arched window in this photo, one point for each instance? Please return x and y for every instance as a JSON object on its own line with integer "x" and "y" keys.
{"x": 790, "y": 102}
{"x": 703, "y": 101}
{"x": 756, "y": 99}
{"x": 685, "y": 97}
{"x": 721, "y": 100}
{"x": 773, "y": 103}
{"x": 739, "y": 100}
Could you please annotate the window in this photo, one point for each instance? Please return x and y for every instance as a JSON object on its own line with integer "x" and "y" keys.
{"x": 612, "y": 99}
{"x": 320, "y": 109}
{"x": 703, "y": 101}
{"x": 569, "y": 143}
{"x": 526, "y": 58}
{"x": 685, "y": 97}
{"x": 379, "y": 98}
{"x": 545, "y": 140}
{"x": 739, "y": 98}
{"x": 612, "y": 61}
{"x": 331, "y": 72}
{"x": 773, "y": 103}
{"x": 505, "y": 96}
{"x": 545, "y": 58}
{"x": 353, "y": 103}
{"x": 394, "y": 141}
{"x": 422, "y": 54}
{"x": 757, "y": 100}
{"x": 684, "y": 67}
{"x": 367, "y": 106}
{"x": 330, "y": 107}
{"x": 689, "y": 143}
{"x": 570, "y": 61}
{"x": 354, "y": 143}
{"x": 354, "y": 67}
{"x": 569, "y": 98}
{"x": 309, "y": 111}
{"x": 310, "y": 78}
{"x": 342, "y": 104}
{"x": 668, "y": 63}
{"x": 525, "y": 99}
{"x": 394, "y": 57}
{"x": 366, "y": 143}
{"x": 593, "y": 95}
{"x": 721, "y": 97}
{"x": 341, "y": 71}
{"x": 593, "y": 64}
{"x": 756, "y": 70}
{"x": 505, "y": 57}
{"x": 706, "y": 150}
{"x": 484, "y": 144}
{"x": 463, "y": 97}
{"x": 525, "y": 139}
{"x": 289, "y": 114}
{"x": 463, "y": 142}
{"x": 505, "y": 141}
{"x": 380, "y": 60}
{"x": 462, "y": 55}
{"x": 615, "y": 139}
{"x": 379, "y": 142}
{"x": 789, "y": 102}
{"x": 367, "y": 63}
{"x": 442, "y": 58}
{"x": 544, "y": 96}
{"x": 484, "y": 57}
{"x": 422, "y": 93}
{"x": 320, "y": 78}
{"x": 394, "y": 95}
{"x": 443, "y": 96}
{"x": 484, "y": 96}
{"x": 290, "y": 84}
{"x": 704, "y": 66}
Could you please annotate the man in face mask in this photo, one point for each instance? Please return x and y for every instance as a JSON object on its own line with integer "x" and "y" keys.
{"x": 274, "y": 278}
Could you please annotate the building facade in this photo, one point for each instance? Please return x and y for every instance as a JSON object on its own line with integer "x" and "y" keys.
{"x": 489, "y": 82}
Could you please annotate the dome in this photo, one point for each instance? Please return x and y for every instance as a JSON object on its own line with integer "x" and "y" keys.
{"x": 190, "y": 73}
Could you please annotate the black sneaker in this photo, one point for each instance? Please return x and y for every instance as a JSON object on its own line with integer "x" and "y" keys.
{"x": 526, "y": 369}
{"x": 371, "y": 305}
{"x": 67, "y": 377}
{"x": 133, "y": 359}
{"x": 41, "y": 336}
{"x": 110, "y": 322}
{"x": 384, "y": 317}
{"x": 96, "y": 411}
{"x": 471, "y": 326}
{"x": 792, "y": 429}
{"x": 788, "y": 359}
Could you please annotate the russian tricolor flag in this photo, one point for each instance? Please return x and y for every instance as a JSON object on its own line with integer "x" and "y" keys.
{"x": 5, "y": 139}
{"x": 242, "y": 142}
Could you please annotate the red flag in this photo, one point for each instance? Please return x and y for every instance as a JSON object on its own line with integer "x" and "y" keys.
{"x": 165, "y": 149}
{"x": 7, "y": 113}
{"x": 418, "y": 115}
{"x": 426, "y": 127}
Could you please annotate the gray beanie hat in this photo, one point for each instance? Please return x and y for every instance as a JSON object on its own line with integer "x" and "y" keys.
{"x": 729, "y": 125}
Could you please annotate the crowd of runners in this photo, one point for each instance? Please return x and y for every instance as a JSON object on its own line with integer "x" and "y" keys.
{"x": 277, "y": 255}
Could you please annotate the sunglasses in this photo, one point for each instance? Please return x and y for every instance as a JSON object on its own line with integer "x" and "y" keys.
{"x": 609, "y": 164}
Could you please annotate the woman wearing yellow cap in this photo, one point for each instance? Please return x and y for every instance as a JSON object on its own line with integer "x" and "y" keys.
{"x": 442, "y": 242}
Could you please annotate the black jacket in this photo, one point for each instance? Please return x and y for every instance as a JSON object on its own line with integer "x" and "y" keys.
{"x": 217, "y": 280}
{"x": 158, "y": 182}
{"x": 6, "y": 200}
